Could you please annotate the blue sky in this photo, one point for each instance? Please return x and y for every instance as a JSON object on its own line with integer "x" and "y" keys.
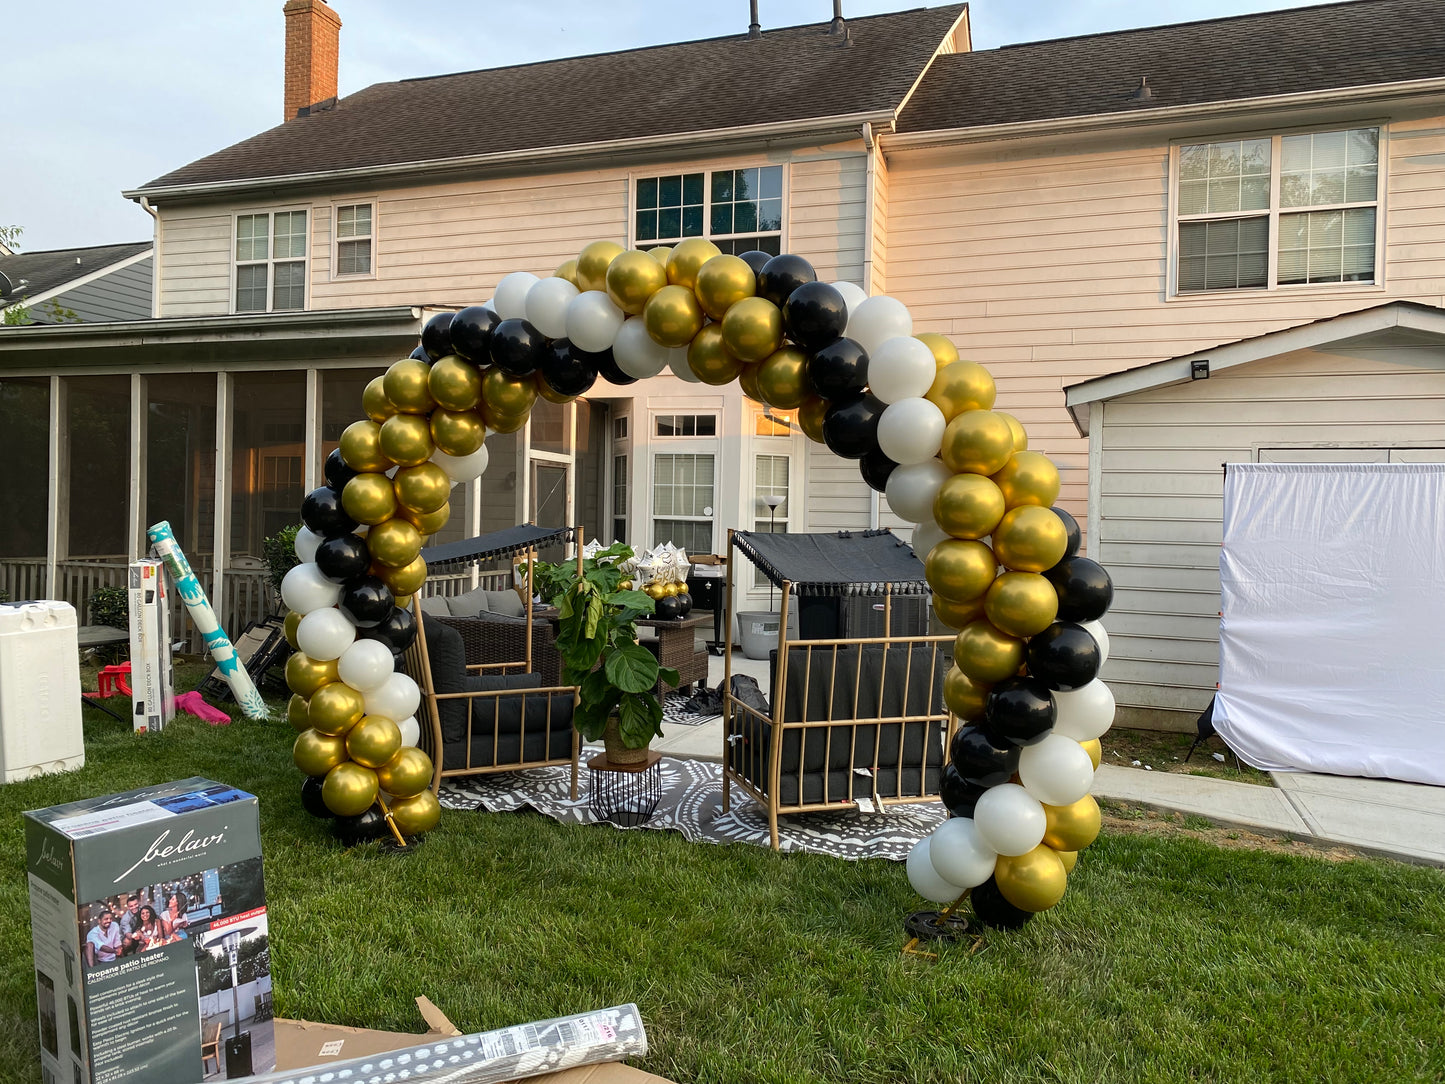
{"x": 108, "y": 95}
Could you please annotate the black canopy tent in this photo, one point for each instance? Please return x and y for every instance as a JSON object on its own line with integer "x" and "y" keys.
{"x": 504, "y": 543}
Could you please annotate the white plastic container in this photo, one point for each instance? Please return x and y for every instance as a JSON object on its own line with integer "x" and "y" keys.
{"x": 40, "y": 702}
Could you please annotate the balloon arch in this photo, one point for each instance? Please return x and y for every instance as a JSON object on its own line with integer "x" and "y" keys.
{"x": 1001, "y": 561}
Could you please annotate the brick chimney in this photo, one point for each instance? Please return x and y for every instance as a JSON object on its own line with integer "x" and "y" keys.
{"x": 313, "y": 31}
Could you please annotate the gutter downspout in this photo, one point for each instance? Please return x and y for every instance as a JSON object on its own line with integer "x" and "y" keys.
{"x": 157, "y": 235}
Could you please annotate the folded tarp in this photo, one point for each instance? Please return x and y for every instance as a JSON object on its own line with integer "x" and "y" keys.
{"x": 845, "y": 563}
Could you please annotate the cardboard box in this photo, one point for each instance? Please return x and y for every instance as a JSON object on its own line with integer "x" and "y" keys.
{"x": 124, "y": 998}
{"x": 152, "y": 672}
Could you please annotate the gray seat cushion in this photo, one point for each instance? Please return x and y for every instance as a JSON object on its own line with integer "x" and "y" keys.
{"x": 481, "y": 600}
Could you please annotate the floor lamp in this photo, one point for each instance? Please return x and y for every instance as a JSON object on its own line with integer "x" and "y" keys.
{"x": 772, "y": 500}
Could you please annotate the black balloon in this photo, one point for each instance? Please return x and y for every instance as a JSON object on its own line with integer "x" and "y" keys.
{"x": 517, "y": 347}
{"x": 875, "y": 468}
{"x": 1083, "y": 587}
{"x": 419, "y": 354}
{"x": 815, "y": 315}
{"x": 360, "y": 829}
{"x": 369, "y": 602}
{"x": 1019, "y": 711}
{"x": 839, "y": 371}
{"x": 311, "y": 798}
{"x": 436, "y": 338}
{"x": 471, "y": 333}
{"x": 1071, "y": 525}
{"x": 323, "y": 514}
{"x": 567, "y": 370}
{"x": 993, "y": 910}
{"x": 959, "y": 796}
{"x": 782, "y": 275}
{"x": 979, "y": 760}
{"x": 607, "y": 367}
{"x": 684, "y": 602}
{"x": 756, "y": 259}
{"x": 669, "y": 607}
{"x": 336, "y": 471}
{"x": 1064, "y": 656}
{"x": 343, "y": 558}
{"x": 850, "y": 429}
{"x": 397, "y": 631}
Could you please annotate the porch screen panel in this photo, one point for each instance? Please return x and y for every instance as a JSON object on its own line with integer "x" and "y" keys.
{"x": 591, "y": 437}
{"x": 181, "y": 460}
{"x": 98, "y": 482}
{"x": 341, "y": 403}
{"x": 268, "y": 448}
{"x": 24, "y": 439}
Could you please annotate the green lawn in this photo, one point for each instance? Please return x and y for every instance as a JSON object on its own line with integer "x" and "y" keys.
{"x": 1170, "y": 959}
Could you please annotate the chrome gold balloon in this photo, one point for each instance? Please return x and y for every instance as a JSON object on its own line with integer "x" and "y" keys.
{"x": 349, "y": 790}
{"x": 1028, "y": 478}
{"x": 632, "y": 278}
{"x": 977, "y": 441}
{"x": 783, "y": 378}
{"x": 455, "y": 384}
{"x": 369, "y": 498}
{"x": 417, "y": 814}
{"x": 431, "y": 522}
{"x": 1021, "y": 439}
{"x": 752, "y": 329}
{"x": 316, "y": 753}
{"x": 707, "y": 359}
{"x": 296, "y": 709}
{"x": 406, "y": 439}
{"x": 964, "y": 697}
{"x": 374, "y": 401}
{"x": 497, "y": 422}
{"x": 457, "y": 432}
{"x": 547, "y": 392}
{"x": 406, "y": 580}
{"x": 661, "y": 254}
{"x": 748, "y": 382}
{"x": 960, "y": 387}
{"x": 567, "y": 269}
{"x": 687, "y": 259}
{"x": 1072, "y": 827}
{"x": 960, "y": 571}
{"x": 361, "y": 447}
{"x": 592, "y": 264}
{"x": 304, "y": 675}
{"x": 421, "y": 489}
{"x": 673, "y": 316}
{"x": 956, "y": 615}
{"x": 336, "y": 708}
{"x": 402, "y": 602}
{"x": 986, "y": 654}
{"x": 1070, "y": 859}
{"x": 1095, "y": 750}
{"x": 1021, "y": 603}
{"x": 810, "y": 417}
{"x": 969, "y": 506}
{"x": 395, "y": 542}
{"x": 373, "y": 741}
{"x": 942, "y": 348}
{"x": 407, "y": 385}
{"x": 292, "y": 622}
{"x": 722, "y": 282}
{"x": 507, "y": 396}
{"x": 1030, "y": 539}
{"x": 406, "y": 774}
{"x": 1034, "y": 881}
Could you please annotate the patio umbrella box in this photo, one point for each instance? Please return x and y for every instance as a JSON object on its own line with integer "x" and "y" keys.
{"x": 190, "y": 998}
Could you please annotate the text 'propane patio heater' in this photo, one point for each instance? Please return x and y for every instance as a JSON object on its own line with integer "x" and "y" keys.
{"x": 238, "y": 1046}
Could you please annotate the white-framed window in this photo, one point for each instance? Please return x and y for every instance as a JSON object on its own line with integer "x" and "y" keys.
{"x": 1270, "y": 211}
{"x": 270, "y": 261}
{"x": 684, "y": 465}
{"x": 619, "y": 498}
{"x": 737, "y": 209}
{"x": 685, "y": 425}
{"x": 353, "y": 239}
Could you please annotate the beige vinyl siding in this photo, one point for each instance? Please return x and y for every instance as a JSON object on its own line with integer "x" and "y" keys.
{"x": 1161, "y": 494}
{"x": 838, "y": 498}
{"x": 828, "y": 197}
{"x": 877, "y": 272}
{"x": 195, "y": 262}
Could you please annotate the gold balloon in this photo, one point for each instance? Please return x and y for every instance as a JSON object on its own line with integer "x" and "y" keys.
{"x": 1021, "y": 439}
{"x": 431, "y": 522}
{"x": 336, "y": 708}
{"x": 1021, "y": 603}
{"x": 1034, "y": 881}
{"x": 349, "y": 790}
{"x": 402, "y": 602}
{"x": 632, "y": 278}
{"x": 498, "y": 422}
{"x": 661, "y": 254}
{"x": 687, "y": 260}
{"x": 1070, "y": 859}
{"x": 960, "y": 387}
{"x": 407, "y": 385}
{"x": 1072, "y": 827}
{"x": 361, "y": 447}
{"x": 810, "y": 417}
{"x": 964, "y": 697}
{"x": 969, "y": 506}
{"x": 373, "y": 741}
{"x": 296, "y": 712}
{"x": 752, "y": 329}
{"x": 722, "y": 282}
{"x": 406, "y": 774}
{"x": 748, "y": 381}
{"x": 369, "y": 498}
{"x": 455, "y": 384}
{"x": 957, "y": 614}
{"x": 672, "y": 316}
{"x": 1095, "y": 751}
{"x": 986, "y": 654}
{"x": 942, "y": 348}
{"x": 406, "y": 439}
{"x": 395, "y": 542}
{"x": 304, "y": 675}
{"x": 417, "y": 814}
{"x": 707, "y": 359}
{"x": 977, "y": 441}
{"x": 423, "y": 489}
{"x": 507, "y": 396}
{"x": 1028, "y": 478}
{"x": 405, "y": 580}
{"x": 316, "y": 753}
{"x": 783, "y": 378}
{"x": 592, "y": 264}
{"x": 1030, "y": 539}
{"x": 960, "y": 571}
{"x": 546, "y": 391}
{"x": 567, "y": 270}
{"x": 456, "y": 432}
{"x": 291, "y": 624}
{"x": 374, "y": 401}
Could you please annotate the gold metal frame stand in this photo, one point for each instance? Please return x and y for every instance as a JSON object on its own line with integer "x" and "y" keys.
{"x": 945, "y": 925}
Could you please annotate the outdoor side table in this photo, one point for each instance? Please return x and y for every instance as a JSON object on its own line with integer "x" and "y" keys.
{"x": 676, "y": 648}
{"x": 625, "y": 794}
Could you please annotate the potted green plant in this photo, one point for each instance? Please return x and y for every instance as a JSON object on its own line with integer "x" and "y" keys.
{"x": 617, "y": 677}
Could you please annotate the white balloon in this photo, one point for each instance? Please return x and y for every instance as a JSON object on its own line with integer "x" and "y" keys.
{"x": 959, "y": 856}
{"x": 593, "y": 321}
{"x": 1056, "y": 771}
{"x": 307, "y": 542}
{"x": 927, "y": 535}
{"x": 636, "y": 354}
{"x": 304, "y": 589}
{"x": 1083, "y": 714}
{"x": 325, "y": 634}
{"x": 1010, "y": 820}
{"x": 875, "y": 321}
{"x": 912, "y": 487}
{"x": 911, "y": 431}
{"x": 366, "y": 665}
{"x": 1100, "y": 635}
{"x": 410, "y": 730}
{"x": 547, "y": 306}
{"x": 901, "y": 368}
{"x": 396, "y": 699}
{"x": 925, "y": 879}
{"x": 511, "y": 295}
{"x": 853, "y": 295}
{"x": 462, "y": 468}
{"x": 677, "y": 362}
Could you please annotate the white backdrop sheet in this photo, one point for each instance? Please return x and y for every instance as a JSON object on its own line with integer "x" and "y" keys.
{"x": 1332, "y": 580}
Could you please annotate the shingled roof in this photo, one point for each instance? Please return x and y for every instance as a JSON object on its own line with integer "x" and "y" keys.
{"x": 1363, "y": 43}
{"x": 793, "y": 74}
{"x": 42, "y": 272}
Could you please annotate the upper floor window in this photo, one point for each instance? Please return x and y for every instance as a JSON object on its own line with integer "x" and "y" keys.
{"x": 1278, "y": 211}
{"x": 353, "y": 239}
{"x": 737, "y": 209}
{"x": 271, "y": 261}
{"x": 687, "y": 425}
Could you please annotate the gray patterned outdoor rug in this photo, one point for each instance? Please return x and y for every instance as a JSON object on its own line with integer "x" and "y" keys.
{"x": 675, "y": 711}
{"x": 691, "y": 803}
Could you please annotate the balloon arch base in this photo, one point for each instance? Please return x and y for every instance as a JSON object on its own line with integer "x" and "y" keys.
{"x": 925, "y": 928}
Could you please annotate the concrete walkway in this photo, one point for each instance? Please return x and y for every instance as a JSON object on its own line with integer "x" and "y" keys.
{"x": 1405, "y": 821}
